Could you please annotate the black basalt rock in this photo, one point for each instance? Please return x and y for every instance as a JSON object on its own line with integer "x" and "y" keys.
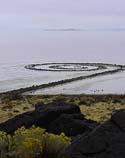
{"x": 71, "y": 125}
{"x": 105, "y": 141}
{"x": 42, "y": 116}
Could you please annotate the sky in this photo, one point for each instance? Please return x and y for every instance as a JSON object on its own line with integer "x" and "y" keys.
{"x": 21, "y": 23}
{"x": 66, "y": 7}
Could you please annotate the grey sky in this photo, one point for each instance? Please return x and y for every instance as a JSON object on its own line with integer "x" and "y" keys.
{"x": 61, "y": 13}
{"x": 74, "y": 7}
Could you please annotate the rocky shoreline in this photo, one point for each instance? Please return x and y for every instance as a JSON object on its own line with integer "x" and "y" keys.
{"x": 90, "y": 138}
{"x": 119, "y": 68}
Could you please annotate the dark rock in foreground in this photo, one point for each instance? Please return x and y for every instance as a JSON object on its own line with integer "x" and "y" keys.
{"x": 105, "y": 141}
{"x": 119, "y": 119}
{"x": 41, "y": 117}
{"x": 56, "y": 117}
{"x": 71, "y": 124}
{"x": 91, "y": 141}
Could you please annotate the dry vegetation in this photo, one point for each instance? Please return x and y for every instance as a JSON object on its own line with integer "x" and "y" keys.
{"x": 36, "y": 142}
{"x": 32, "y": 143}
{"x": 95, "y": 107}
{"x": 101, "y": 111}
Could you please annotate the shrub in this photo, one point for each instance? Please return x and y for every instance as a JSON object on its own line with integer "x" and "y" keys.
{"x": 11, "y": 96}
{"x": 32, "y": 143}
{"x": 55, "y": 144}
{"x": 28, "y": 147}
{"x": 5, "y": 142}
{"x": 27, "y": 143}
{"x": 60, "y": 98}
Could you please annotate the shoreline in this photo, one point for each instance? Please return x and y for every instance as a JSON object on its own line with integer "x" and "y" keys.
{"x": 119, "y": 68}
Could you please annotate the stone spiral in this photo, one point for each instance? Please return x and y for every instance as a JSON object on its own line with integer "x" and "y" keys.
{"x": 66, "y": 67}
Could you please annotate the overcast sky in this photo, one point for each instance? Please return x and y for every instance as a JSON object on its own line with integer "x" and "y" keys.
{"x": 74, "y": 7}
{"x": 64, "y": 13}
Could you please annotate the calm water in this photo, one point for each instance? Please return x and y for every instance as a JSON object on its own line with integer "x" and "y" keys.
{"x": 42, "y": 46}
{"x": 37, "y": 37}
{"x": 34, "y": 38}
{"x": 111, "y": 84}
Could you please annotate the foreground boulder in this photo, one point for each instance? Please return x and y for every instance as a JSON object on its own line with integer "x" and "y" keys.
{"x": 105, "y": 141}
{"x": 42, "y": 116}
{"x": 119, "y": 119}
{"x": 71, "y": 124}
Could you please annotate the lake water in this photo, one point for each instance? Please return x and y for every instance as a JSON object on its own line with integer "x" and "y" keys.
{"x": 38, "y": 39}
{"x": 62, "y": 46}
